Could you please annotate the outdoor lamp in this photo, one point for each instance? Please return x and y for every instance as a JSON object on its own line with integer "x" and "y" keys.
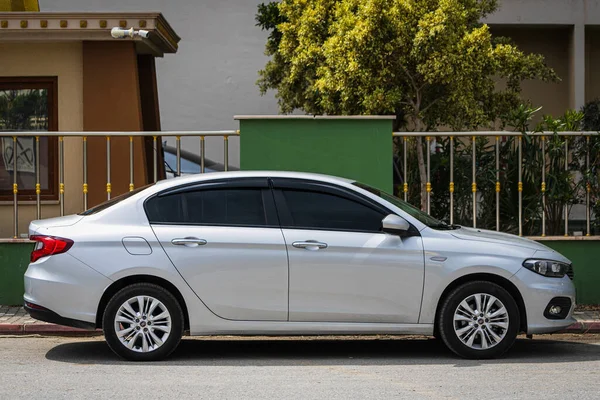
{"x": 120, "y": 33}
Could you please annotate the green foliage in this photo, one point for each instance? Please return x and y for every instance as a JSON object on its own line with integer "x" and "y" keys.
{"x": 519, "y": 118}
{"x": 563, "y": 188}
{"x": 587, "y": 157}
{"x": 23, "y": 109}
{"x": 591, "y": 116}
{"x": 269, "y": 18}
{"x": 430, "y": 62}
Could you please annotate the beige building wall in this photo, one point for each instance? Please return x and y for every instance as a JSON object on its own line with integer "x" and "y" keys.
{"x": 592, "y": 67}
{"x": 63, "y": 60}
{"x": 554, "y": 44}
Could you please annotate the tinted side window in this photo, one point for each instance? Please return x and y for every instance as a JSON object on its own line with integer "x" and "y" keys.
{"x": 242, "y": 207}
{"x": 319, "y": 210}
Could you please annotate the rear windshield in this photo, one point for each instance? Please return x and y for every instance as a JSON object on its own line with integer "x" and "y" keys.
{"x": 113, "y": 201}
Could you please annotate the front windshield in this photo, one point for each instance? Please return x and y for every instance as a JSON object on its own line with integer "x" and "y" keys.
{"x": 406, "y": 207}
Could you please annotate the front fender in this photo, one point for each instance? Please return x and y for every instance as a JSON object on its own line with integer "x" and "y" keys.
{"x": 478, "y": 258}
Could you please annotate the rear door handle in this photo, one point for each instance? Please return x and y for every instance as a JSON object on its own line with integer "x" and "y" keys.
{"x": 188, "y": 242}
{"x": 310, "y": 245}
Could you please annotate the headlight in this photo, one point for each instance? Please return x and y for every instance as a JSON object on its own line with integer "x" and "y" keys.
{"x": 554, "y": 269}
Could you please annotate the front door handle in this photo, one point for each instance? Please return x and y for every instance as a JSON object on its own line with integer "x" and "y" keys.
{"x": 188, "y": 242}
{"x": 310, "y": 245}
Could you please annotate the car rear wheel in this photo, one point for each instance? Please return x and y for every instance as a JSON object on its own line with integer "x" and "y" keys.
{"x": 479, "y": 320}
{"x": 143, "y": 322}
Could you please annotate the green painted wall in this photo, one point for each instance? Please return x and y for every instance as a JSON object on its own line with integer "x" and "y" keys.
{"x": 14, "y": 258}
{"x": 585, "y": 255}
{"x": 359, "y": 149}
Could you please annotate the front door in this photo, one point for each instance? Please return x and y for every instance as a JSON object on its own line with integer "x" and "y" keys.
{"x": 225, "y": 240}
{"x": 343, "y": 268}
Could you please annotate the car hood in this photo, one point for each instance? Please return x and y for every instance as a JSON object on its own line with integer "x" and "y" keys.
{"x": 483, "y": 235}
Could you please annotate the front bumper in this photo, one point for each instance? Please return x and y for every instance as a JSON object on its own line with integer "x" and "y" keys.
{"x": 537, "y": 292}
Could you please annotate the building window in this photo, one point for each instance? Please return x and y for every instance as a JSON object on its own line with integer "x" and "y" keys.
{"x": 28, "y": 104}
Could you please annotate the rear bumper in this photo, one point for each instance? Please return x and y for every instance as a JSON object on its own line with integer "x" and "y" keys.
{"x": 43, "y": 314}
{"x": 65, "y": 287}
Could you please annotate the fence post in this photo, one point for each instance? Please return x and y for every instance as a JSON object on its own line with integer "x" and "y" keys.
{"x": 451, "y": 180}
{"x": 474, "y": 184}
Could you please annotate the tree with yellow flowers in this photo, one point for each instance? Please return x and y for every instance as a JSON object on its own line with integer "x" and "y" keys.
{"x": 431, "y": 63}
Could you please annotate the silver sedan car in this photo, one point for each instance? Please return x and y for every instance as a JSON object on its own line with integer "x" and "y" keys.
{"x": 286, "y": 253}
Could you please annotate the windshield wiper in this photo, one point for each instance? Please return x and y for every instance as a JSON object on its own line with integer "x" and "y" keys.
{"x": 441, "y": 226}
{"x": 445, "y": 227}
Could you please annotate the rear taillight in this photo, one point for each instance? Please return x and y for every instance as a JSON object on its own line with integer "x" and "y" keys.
{"x": 49, "y": 245}
{"x": 35, "y": 306}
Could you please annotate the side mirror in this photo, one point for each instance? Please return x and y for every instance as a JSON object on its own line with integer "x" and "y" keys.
{"x": 395, "y": 225}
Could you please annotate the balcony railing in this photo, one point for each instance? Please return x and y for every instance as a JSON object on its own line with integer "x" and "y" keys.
{"x": 494, "y": 138}
{"x": 83, "y": 136}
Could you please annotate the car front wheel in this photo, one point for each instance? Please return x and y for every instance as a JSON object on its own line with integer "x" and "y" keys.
{"x": 479, "y": 320}
{"x": 143, "y": 322}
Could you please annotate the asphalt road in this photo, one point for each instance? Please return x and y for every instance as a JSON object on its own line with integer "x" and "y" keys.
{"x": 547, "y": 367}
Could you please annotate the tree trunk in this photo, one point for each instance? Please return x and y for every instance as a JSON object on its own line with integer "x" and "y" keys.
{"x": 421, "y": 162}
{"x": 422, "y": 173}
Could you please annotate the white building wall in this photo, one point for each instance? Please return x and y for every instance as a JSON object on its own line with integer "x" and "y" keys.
{"x": 212, "y": 77}
{"x": 550, "y": 12}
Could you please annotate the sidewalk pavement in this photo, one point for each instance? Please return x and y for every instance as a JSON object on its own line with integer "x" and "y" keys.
{"x": 16, "y": 321}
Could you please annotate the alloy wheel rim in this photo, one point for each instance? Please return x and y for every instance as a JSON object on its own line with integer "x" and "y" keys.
{"x": 481, "y": 321}
{"x": 143, "y": 324}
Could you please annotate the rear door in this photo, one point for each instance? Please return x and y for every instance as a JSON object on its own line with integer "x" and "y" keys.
{"x": 225, "y": 240}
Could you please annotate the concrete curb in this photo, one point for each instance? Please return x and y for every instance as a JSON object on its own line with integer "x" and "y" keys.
{"x": 45, "y": 329}
{"x": 10, "y": 329}
{"x": 583, "y": 327}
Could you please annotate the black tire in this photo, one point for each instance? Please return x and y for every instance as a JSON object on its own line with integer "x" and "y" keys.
{"x": 450, "y": 305}
{"x": 143, "y": 289}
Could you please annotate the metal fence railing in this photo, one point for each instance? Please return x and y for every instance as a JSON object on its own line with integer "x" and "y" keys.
{"x": 494, "y": 138}
{"x": 83, "y": 136}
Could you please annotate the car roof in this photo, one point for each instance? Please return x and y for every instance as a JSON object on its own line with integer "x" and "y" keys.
{"x": 207, "y": 177}
{"x": 163, "y": 184}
